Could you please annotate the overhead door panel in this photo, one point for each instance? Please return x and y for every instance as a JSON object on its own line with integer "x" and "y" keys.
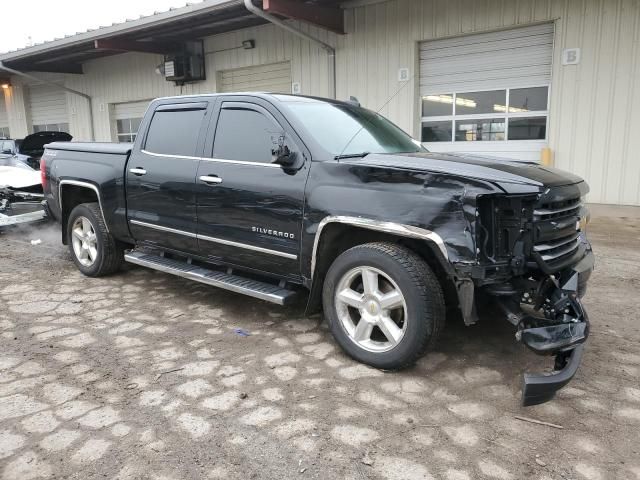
{"x": 48, "y": 105}
{"x": 130, "y": 110}
{"x": 274, "y": 77}
{"x": 487, "y": 93}
{"x": 511, "y": 58}
{"x": 128, "y": 117}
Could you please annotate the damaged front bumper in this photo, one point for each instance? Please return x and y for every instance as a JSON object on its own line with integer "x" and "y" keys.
{"x": 21, "y": 207}
{"x": 561, "y": 330}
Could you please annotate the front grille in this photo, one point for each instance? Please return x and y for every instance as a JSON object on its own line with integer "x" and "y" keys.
{"x": 557, "y": 234}
{"x": 558, "y": 209}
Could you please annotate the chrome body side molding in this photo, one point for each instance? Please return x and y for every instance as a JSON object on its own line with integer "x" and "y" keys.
{"x": 380, "y": 226}
{"x": 78, "y": 183}
{"x": 215, "y": 240}
{"x": 163, "y": 229}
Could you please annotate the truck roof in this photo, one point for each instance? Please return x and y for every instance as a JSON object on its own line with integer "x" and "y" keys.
{"x": 279, "y": 97}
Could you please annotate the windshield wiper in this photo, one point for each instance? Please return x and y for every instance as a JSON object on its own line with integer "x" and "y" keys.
{"x": 351, "y": 155}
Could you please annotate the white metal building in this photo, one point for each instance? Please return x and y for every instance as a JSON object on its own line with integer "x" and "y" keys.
{"x": 493, "y": 77}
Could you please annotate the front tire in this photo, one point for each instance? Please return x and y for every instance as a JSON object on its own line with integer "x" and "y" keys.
{"x": 94, "y": 251}
{"x": 384, "y": 304}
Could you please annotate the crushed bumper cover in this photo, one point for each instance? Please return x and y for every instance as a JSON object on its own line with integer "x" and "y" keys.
{"x": 565, "y": 340}
{"x": 540, "y": 388}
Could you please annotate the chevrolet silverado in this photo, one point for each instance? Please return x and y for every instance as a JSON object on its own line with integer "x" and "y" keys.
{"x": 277, "y": 196}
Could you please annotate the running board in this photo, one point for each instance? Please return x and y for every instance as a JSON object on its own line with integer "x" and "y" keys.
{"x": 234, "y": 283}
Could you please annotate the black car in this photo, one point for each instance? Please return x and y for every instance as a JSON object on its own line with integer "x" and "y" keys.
{"x": 275, "y": 196}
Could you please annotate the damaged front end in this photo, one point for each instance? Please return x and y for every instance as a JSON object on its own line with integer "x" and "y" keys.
{"x": 535, "y": 263}
{"x": 21, "y": 196}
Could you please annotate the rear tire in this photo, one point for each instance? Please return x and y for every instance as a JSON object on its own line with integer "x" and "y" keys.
{"x": 397, "y": 296}
{"x": 94, "y": 251}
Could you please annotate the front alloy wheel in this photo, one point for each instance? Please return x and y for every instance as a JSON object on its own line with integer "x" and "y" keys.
{"x": 383, "y": 303}
{"x": 371, "y": 308}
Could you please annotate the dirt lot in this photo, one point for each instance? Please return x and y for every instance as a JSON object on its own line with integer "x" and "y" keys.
{"x": 143, "y": 375}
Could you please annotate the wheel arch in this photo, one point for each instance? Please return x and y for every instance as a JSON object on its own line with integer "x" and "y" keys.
{"x": 72, "y": 193}
{"x": 337, "y": 234}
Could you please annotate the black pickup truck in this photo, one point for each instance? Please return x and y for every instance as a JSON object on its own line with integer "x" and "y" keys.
{"x": 274, "y": 196}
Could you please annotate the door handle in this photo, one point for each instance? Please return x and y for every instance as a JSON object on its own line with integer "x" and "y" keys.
{"x": 138, "y": 171}
{"x": 210, "y": 179}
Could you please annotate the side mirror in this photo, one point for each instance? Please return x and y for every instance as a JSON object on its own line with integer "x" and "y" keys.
{"x": 281, "y": 155}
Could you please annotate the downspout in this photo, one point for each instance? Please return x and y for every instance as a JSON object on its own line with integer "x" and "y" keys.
{"x": 325, "y": 46}
{"x": 70, "y": 90}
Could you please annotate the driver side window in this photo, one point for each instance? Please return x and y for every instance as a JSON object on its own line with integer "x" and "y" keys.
{"x": 245, "y": 134}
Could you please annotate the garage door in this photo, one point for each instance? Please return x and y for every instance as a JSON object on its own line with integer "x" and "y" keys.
{"x": 128, "y": 117}
{"x": 4, "y": 118}
{"x": 488, "y": 93}
{"x": 274, "y": 77}
{"x": 48, "y": 106}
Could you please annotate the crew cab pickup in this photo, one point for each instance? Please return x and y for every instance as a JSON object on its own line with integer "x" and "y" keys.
{"x": 281, "y": 196}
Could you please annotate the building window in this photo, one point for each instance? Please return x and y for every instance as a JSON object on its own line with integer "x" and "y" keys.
{"x": 490, "y": 116}
{"x": 4, "y": 132}
{"x": 51, "y": 127}
{"x": 127, "y": 129}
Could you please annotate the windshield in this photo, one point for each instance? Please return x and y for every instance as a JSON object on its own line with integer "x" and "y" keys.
{"x": 348, "y": 130}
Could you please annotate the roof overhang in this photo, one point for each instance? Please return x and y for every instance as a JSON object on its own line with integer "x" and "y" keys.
{"x": 162, "y": 32}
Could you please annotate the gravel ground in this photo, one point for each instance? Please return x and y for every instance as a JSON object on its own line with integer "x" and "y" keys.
{"x": 143, "y": 375}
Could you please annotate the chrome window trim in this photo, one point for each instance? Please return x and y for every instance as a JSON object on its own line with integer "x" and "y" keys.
{"x": 380, "y": 226}
{"x": 207, "y": 159}
{"x": 164, "y": 155}
{"x": 214, "y": 239}
{"x": 241, "y": 162}
{"x": 84, "y": 185}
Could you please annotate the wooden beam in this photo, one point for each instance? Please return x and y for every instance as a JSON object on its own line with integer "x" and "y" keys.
{"x": 331, "y": 18}
{"x": 134, "y": 46}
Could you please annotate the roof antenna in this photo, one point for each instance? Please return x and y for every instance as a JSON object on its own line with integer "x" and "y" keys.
{"x": 353, "y": 101}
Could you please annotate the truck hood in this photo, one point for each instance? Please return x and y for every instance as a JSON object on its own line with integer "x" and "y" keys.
{"x": 472, "y": 166}
{"x": 33, "y": 145}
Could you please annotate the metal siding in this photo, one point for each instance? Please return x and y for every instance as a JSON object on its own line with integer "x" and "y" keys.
{"x": 48, "y": 104}
{"x": 4, "y": 116}
{"x": 131, "y": 77}
{"x": 274, "y": 77}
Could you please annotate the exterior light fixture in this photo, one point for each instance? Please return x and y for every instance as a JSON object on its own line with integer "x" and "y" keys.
{"x": 6, "y": 85}
{"x": 249, "y": 44}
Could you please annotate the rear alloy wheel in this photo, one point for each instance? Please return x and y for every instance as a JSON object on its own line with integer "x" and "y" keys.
{"x": 384, "y": 305}
{"x": 84, "y": 241}
{"x": 95, "y": 252}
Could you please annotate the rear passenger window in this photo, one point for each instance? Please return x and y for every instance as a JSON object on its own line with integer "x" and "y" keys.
{"x": 174, "y": 132}
{"x": 245, "y": 134}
